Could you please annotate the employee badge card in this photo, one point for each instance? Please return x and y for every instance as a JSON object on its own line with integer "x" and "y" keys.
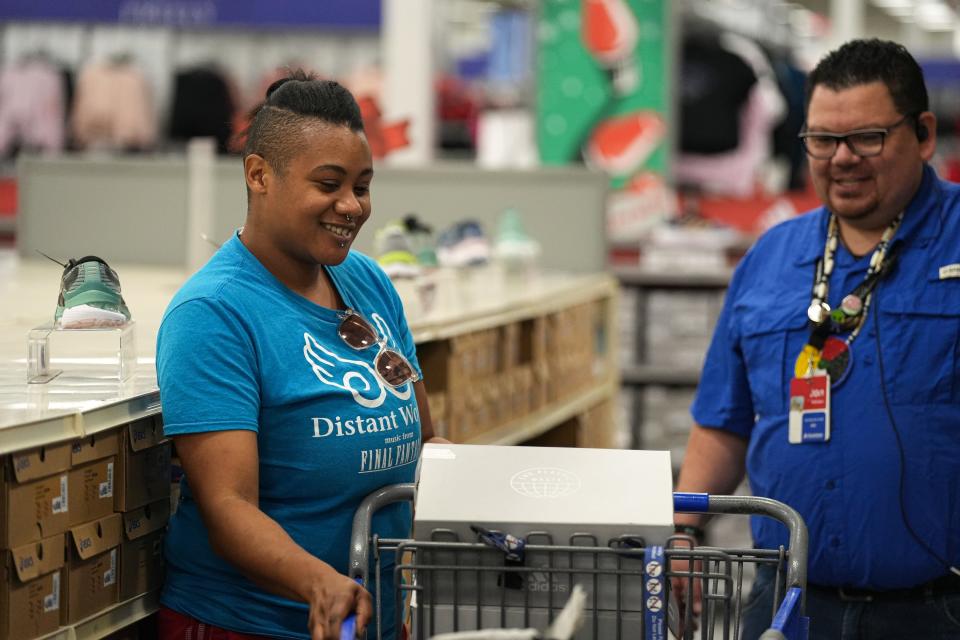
{"x": 809, "y": 409}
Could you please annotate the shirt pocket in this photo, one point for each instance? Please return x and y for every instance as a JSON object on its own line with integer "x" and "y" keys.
{"x": 772, "y": 332}
{"x": 919, "y": 331}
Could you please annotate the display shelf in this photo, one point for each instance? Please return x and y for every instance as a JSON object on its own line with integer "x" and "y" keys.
{"x": 545, "y": 419}
{"x": 493, "y": 301}
{"x": 39, "y": 432}
{"x": 653, "y": 374}
{"x": 109, "y": 620}
{"x": 640, "y": 277}
{"x": 33, "y": 415}
{"x": 64, "y": 409}
{"x": 640, "y": 373}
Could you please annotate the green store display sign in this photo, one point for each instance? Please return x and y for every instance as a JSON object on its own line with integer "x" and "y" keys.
{"x": 603, "y": 92}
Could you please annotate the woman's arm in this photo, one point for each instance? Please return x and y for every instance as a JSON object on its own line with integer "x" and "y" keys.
{"x": 222, "y": 468}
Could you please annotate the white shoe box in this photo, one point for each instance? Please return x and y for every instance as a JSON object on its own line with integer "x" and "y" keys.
{"x": 560, "y": 492}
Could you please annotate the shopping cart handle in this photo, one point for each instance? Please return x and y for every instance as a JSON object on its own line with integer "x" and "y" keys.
{"x": 757, "y": 506}
{"x": 691, "y": 502}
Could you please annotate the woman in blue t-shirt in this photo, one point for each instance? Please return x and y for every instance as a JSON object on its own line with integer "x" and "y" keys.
{"x": 291, "y": 387}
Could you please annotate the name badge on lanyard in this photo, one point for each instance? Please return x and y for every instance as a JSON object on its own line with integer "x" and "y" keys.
{"x": 810, "y": 409}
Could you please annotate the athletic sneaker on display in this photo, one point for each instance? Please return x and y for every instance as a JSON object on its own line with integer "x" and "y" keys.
{"x": 395, "y": 255}
{"x": 463, "y": 245}
{"x": 514, "y": 245}
{"x": 421, "y": 240}
{"x": 90, "y": 296}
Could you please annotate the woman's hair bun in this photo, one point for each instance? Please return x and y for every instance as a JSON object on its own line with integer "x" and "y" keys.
{"x": 299, "y": 75}
{"x": 276, "y": 85}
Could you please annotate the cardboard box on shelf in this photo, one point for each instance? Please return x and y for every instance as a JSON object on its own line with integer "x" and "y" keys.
{"x": 91, "y": 490}
{"x": 492, "y": 390}
{"x": 95, "y": 447}
{"x": 480, "y": 412}
{"x": 509, "y": 346}
{"x": 442, "y": 366}
{"x": 538, "y": 339}
{"x": 537, "y": 380}
{"x": 34, "y": 495}
{"x": 486, "y": 353}
{"x": 461, "y": 423}
{"x": 141, "y": 550}
{"x": 143, "y": 466}
{"x": 40, "y": 462}
{"x": 92, "y": 580}
{"x": 438, "y": 413}
{"x": 30, "y": 589}
{"x": 522, "y": 381}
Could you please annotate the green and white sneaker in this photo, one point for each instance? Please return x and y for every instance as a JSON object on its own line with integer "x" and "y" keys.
{"x": 394, "y": 251}
{"x": 90, "y": 296}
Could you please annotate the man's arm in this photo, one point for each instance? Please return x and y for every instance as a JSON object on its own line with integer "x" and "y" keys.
{"x": 714, "y": 462}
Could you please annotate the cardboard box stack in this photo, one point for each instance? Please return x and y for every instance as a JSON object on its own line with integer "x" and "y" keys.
{"x": 477, "y": 381}
{"x": 143, "y": 500}
{"x": 487, "y": 379}
{"x": 94, "y": 534}
{"x": 34, "y": 514}
{"x": 571, "y": 350}
{"x": 80, "y": 526}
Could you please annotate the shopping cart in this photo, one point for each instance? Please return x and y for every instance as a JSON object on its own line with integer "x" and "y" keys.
{"x": 447, "y": 585}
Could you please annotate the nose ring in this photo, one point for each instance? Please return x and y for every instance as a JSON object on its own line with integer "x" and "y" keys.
{"x": 348, "y": 217}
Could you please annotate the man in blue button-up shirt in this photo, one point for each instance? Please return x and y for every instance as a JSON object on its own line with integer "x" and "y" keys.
{"x": 880, "y": 490}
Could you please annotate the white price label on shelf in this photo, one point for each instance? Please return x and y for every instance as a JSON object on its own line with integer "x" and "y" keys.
{"x": 106, "y": 488}
{"x": 110, "y": 575}
{"x": 51, "y": 601}
{"x": 61, "y": 503}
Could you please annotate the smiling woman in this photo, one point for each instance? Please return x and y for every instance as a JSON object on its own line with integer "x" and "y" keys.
{"x": 259, "y": 348}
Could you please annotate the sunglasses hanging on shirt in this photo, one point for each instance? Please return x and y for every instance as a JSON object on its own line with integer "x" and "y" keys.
{"x": 391, "y": 365}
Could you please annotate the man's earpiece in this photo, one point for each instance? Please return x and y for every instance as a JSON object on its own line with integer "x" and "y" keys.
{"x": 922, "y": 132}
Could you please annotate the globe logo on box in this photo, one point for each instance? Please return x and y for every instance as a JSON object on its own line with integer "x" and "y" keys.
{"x": 545, "y": 482}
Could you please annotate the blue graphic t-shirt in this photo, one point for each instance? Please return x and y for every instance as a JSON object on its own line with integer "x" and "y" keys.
{"x": 239, "y": 350}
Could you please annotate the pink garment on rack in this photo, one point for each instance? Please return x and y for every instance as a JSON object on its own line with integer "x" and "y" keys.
{"x": 113, "y": 108}
{"x": 31, "y": 106}
{"x": 733, "y": 173}
{"x": 736, "y": 173}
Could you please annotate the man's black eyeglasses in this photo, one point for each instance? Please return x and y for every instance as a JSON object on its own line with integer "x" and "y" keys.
{"x": 865, "y": 143}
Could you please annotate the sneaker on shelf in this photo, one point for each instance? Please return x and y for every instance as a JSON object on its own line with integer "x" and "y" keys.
{"x": 394, "y": 251}
{"x": 514, "y": 246}
{"x": 421, "y": 241}
{"x": 90, "y": 296}
{"x": 463, "y": 245}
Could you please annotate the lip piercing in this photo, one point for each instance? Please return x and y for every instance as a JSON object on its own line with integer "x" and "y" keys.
{"x": 349, "y": 218}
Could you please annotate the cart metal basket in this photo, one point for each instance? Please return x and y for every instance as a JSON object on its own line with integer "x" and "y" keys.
{"x": 448, "y": 585}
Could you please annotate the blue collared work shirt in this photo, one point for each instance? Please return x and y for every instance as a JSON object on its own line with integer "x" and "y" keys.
{"x": 848, "y": 489}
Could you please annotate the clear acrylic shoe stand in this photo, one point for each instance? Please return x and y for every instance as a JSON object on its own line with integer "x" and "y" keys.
{"x": 101, "y": 354}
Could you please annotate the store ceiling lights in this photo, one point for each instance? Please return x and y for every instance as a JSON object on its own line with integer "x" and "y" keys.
{"x": 932, "y": 15}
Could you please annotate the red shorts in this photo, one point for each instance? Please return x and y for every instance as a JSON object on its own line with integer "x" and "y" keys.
{"x": 172, "y": 625}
